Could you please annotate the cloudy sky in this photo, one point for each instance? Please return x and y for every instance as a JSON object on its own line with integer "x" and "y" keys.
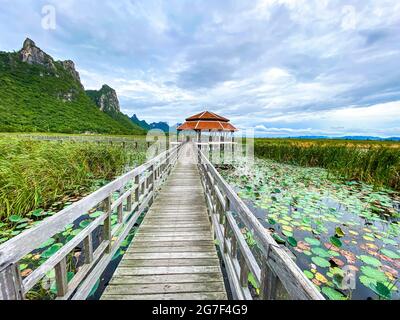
{"x": 283, "y": 67}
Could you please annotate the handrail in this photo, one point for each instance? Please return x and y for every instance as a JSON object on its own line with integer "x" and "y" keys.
{"x": 277, "y": 271}
{"x": 128, "y": 207}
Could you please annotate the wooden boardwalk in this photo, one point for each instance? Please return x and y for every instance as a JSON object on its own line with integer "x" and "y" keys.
{"x": 173, "y": 255}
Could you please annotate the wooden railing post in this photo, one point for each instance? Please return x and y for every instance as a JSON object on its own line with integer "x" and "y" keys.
{"x": 137, "y": 190}
{"x": 61, "y": 277}
{"x": 120, "y": 211}
{"x": 88, "y": 249}
{"x": 11, "y": 283}
{"x": 226, "y": 235}
{"x": 129, "y": 203}
{"x": 107, "y": 223}
{"x": 269, "y": 282}
{"x": 244, "y": 272}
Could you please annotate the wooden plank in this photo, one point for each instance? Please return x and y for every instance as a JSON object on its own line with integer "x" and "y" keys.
{"x": 140, "y": 243}
{"x": 173, "y": 238}
{"x": 173, "y": 233}
{"x": 205, "y": 248}
{"x": 171, "y": 255}
{"x": 169, "y": 296}
{"x": 161, "y": 288}
{"x": 168, "y": 278}
{"x": 130, "y": 261}
{"x": 166, "y": 270}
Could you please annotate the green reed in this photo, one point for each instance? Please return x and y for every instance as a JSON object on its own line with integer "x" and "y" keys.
{"x": 375, "y": 163}
{"x": 35, "y": 174}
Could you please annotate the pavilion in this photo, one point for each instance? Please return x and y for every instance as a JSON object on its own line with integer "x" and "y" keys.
{"x": 210, "y": 123}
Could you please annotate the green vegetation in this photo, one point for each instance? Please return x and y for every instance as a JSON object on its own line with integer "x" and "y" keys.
{"x": 377, "y": 163}
{"x": 36, "y": 174}
{"x": 331, "y": 226}
{"x": 34, "y": 98}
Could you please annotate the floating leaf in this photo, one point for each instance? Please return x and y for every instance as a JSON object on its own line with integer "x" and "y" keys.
{"x": 83, "y": 224}
{"x": 370, "y": 260}
{"x": 321, "y": 262}
{"x": 292, "y": 241}
{"x": 37, "y": 213}
{"x": 320, "y": 277}
{"x": 14, "y": 218}
{"x": 320, "y": 252}
{"x": 336, "y": 242}
{"x": 23, "y": 266}
{"x": 278, "y": 238}
{"x": 308, "y": 274}
{"x": 76, "y": 232}
{"x": 52, "y": 250}
{"x": 390, "y": 254}
{"x": 333, "y": 294}
{"x": 271, "y": 221}
{"x": 366, "y": 281}
{"x": 373, "y": 273}
{"x": 339, "y": 232}
{"x": 47, "y": 243}
{"x": 381, "y": 289}
{"x": 389, "y": 241}
{"x": 95, "y": 214}
{"x": 312, "y": 241}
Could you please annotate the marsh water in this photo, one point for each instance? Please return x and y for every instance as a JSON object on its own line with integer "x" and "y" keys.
{"x": 333, "y": 227}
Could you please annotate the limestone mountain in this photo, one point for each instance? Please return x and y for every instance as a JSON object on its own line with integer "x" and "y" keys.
{"x": 40, "y": 94}
{"x": 106, "y": 100}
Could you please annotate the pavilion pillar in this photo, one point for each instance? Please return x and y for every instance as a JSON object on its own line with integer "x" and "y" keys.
{"x": 222, "y": 142}
{"x": 209, "y": 142}
{"x": 233, "y": 146}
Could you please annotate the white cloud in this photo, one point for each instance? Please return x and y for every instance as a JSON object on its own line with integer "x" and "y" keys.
{"x": 294, "y": 65}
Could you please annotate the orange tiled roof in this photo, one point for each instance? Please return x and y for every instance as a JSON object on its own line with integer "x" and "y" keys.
{"x": 205, "y": 121}
{"x": 207, "y": 115}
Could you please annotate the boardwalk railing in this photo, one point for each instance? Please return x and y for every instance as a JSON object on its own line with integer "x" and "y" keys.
{"x": 126, "y": 197}
{"x": 124, "y": 142}
{"x": 276, "y": 276}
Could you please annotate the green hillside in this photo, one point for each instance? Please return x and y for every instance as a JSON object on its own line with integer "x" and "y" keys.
{"x": 37, "y": 98}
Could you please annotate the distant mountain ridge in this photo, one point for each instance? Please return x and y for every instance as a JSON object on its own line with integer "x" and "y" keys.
{"x": 40, "y": 94}
{"x": 154, "y": 125}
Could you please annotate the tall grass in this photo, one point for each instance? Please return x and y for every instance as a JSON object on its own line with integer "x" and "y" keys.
{"x": 377, "y": 164}
{"x": 37, "y": 173}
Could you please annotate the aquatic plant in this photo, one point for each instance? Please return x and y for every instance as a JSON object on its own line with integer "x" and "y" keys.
{"x": 376, "y": 163}
{"x": 330, "y": 225}
{"x": 38, "y": 174}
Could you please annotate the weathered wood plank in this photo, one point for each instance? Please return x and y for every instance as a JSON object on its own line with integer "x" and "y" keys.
{"x": 161, "y": 288}
{"x": 173, "y": 238}
{"x": 141, "y": 243}
{"x": 206, "y": 248}
{"x": 169, "y": 296}
{"x": 171, "y": 255}
{"x": 130, "y": 261}
{"x": 168, "y": 278}
{"x": 173, "y": 233}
